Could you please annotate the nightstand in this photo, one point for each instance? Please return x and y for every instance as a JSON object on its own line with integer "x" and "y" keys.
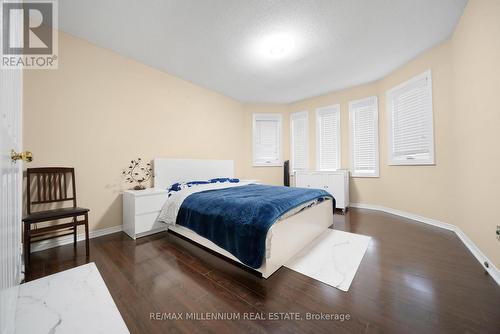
{"x": 141, "y": 209}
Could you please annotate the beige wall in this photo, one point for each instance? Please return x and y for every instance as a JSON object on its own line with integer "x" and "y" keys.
{"x": 476, "y": 125}
{"x": 400, "y": 187}
{"x": 99, "y": 110}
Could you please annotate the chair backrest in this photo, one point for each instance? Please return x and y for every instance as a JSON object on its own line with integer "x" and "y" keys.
{"x": 49, "y": 185}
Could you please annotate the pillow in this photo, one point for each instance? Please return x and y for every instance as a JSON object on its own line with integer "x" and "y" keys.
{"x": 195, "y": 183}
{"x": 175, "y": 187}
{"x": 224, "y": 179}
{"x": 179, "y": 186}
{"x": 183, "y": 185}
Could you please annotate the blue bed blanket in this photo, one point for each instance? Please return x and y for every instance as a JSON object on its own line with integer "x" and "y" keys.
{"x": 237, "y": 219}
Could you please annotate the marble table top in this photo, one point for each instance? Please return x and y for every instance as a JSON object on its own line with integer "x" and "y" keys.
{"x": 73, "y": 301}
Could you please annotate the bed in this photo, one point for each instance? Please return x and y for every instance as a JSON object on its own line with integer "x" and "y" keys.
{"x": 285, "y": 237}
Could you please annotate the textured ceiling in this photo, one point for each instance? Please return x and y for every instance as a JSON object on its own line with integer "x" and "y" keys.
{"x": 218, "y": 44}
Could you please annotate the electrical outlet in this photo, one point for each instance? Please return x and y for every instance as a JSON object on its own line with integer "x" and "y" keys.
{"x": 498, "y": 232}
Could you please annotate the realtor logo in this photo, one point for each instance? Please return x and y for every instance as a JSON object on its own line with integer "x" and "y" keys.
{"x": 29, "y": 35}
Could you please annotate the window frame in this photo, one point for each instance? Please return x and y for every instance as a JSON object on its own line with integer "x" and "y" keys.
{"x": 297, "y": 116}
{"x": 267, "y": 116}
{"x": 352, "y": 106}
{"x": 410, "y": 160}
{"x": 335, "y": 108}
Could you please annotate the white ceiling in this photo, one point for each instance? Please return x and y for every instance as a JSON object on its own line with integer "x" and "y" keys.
{"x": 217, "y": 43}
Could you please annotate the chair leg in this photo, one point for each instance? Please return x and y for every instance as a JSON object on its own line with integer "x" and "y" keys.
{"x": 27, "y": 248}
{"x": 87, "y": 234}
{"x": 75, "y": 228}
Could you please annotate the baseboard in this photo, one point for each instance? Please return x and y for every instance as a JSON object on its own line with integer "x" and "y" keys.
{"x": 404, "y": 214}
{"x": 68, "y": 239}
{"x": 478, "y": 254}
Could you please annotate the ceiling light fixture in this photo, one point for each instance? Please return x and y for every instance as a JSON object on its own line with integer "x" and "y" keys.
{"x": 277, "y": 46}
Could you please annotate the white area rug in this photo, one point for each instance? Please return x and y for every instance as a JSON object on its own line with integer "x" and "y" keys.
{"x": 333, "y": 258}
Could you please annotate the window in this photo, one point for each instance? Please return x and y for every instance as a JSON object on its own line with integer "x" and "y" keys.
{"x": 267, "y": 140}
{"x": 363, "y": 124}
{"x": 409, "y": 110}
{"x": 328, "y": 138}
{"x": 299, "y": 141}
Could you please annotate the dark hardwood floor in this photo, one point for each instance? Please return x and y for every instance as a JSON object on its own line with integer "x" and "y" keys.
{"x": 413, "y": 279}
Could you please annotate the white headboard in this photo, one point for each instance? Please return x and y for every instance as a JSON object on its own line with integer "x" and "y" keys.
{"x": 170, "y": 171}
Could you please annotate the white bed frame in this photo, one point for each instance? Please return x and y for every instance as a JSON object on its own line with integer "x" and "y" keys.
{"x": 289, "y": 235}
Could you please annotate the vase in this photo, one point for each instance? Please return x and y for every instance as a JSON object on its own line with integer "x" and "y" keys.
{"x": 139, "y": 187}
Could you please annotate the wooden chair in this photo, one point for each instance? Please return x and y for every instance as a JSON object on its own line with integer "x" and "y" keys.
{"x": 45, "y": 186}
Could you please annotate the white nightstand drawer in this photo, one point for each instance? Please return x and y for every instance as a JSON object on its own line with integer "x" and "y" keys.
{"x": 147, "y": 204}
{"x": 141, "y": 209}
{"x": 148, "y": 222}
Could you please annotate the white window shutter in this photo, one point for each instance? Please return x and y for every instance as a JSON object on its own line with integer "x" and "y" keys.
{"x": 267, "y": 140}
{"x": 363, "y": 123}
{"x": 328, "y": 138}
{"x": 299, "y": 140}
{"x": 409, "y": 107}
